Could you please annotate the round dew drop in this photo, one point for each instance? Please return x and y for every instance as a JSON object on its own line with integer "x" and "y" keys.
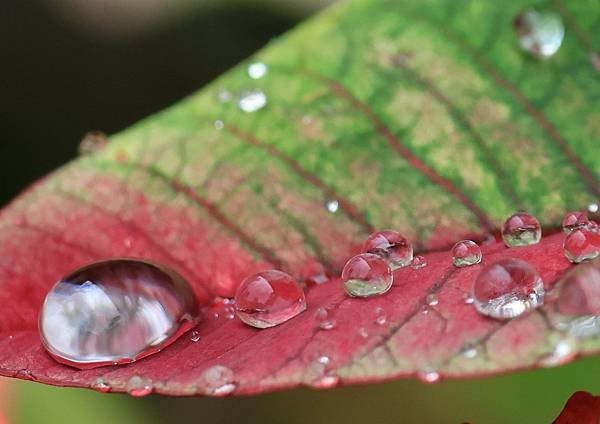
{"x": 575, "y": 220}
{"x": 252, "y": 100}
{"x": 269, "y": 298}
{"x": 367, "y": 275}
{"x": 115, "y": 312}
{"x": 392, "y": 246}
{"x": 418, "y": 262}
{"x": 582, "y": 245}
{"x": 521, "y": 229}
{"x": 540, "y": 32}
{"x": 508, "y": 288}
{"x": 466, "y": 253}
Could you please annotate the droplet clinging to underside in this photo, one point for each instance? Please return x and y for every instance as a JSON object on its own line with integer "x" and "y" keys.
{"x": 540, "y": 32}
{"x": 114, "y": 312}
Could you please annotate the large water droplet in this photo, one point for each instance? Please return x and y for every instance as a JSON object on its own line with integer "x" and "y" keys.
{"x": 138, "y": 386}
{"x": 367, "y": 275}
{"x": 392, "y": 246}
{"x": 466, "y": 253}
{"x": 521, "y": 229}
{"x": 115, "y": 312}
{"x": 92, "y": 142}
{"x": 418, "y": 262}
{"x": 257, "y": 70}
{"x": 507, "y": 289}
{"x": 577, "y": 306}
{"x": 269, "y": 298}
{"x": 217, "y": 380}
{"x": 575, "y": 220}
{"x": 252, "y": 100}
{"x": 582, "y": 245}
{"x": 540, "y": 32}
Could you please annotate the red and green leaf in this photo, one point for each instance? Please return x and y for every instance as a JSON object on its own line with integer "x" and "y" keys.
{"x": 422, "y": 116}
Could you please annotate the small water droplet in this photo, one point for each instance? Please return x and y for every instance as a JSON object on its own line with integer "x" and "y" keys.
{"x": 332, "y": 205}
{"x": 269, "y": 298}
{"x": 326, "y": 381}
{"x": 367, "y": 275}
{"x": 390, "y": 245}
{"x": 565, "y": 350}
{"x": 469, "y": 352}
{"x": 252, "y": 100}
{"x": 521, "y": 229}
{"x": 576, "y": 309}
{"x": 92, "y": 142}
{"x": 429, "y": 376}
{"x": 432, "y": 299}
{"x": 138, "y": 386}
{"x": 195, "y": 336}
{"x": 418, "y": 262}
{"x": 224, "y": 96}
{"x": 466, "y": 253}
{"x": 593, "y": 207}
{"x": 540, "y": 32}
{"x": 115, "y": 311}
{"x": 326, "y": 322}
{"x": 257, "y": 70}
{"x": 575, "y": 220}
{"x": 468, "y": 298}
{"x": 363, "y": 332}
{"x": 100, "y": 385}
{"x": 507, "y": 289}
{"x": 581, "y": 245}
{"x": 217, "y": 380}
{"x": 219, "y": 125}
{"x": 380, "y": 316}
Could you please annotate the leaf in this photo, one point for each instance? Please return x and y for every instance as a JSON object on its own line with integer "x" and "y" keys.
{"x": 581, "y": 408}
{"x": 419, "y": 116}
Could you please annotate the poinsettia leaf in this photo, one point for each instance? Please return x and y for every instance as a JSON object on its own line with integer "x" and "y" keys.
{"x": 581, "y": 408}
{"x": 420, "y": 116}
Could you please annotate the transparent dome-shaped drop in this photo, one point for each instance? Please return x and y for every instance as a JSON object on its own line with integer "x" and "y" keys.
{"x": 115, "y": 312}
{"x": 582, "y": 245}
{"x": 392, "y": 246}
{"x": 507, "y": 289}
{"x": 367, "y": 275}
{"x": 540, "y": 32}
{"x": 466, "y": 253}
{"x": 521, "y": 229}
{"x": 575, "y": 220}
{"x": 269, "y": 298}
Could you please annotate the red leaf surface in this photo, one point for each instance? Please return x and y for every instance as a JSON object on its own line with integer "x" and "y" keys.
{"x": 405, "y": 125}
{"x": 581, "y": 408}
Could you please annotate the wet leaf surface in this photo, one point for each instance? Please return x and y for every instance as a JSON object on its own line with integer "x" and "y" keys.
{"x": 425, "y": 117}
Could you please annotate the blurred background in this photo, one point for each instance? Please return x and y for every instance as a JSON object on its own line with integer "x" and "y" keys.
{"x": 70, "y": 66}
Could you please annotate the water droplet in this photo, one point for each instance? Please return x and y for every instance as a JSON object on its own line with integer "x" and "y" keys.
{"x": 138, "y": 386}
{"x": 577, "y": 307}
{"x": 521, "y": 229}
{"x": 323, "y": 359}
{"x": 429, "y": 376}
{"x": 326, "y": 322}
{"x": 115, "y": 311}
{"x": 469, "y": 352}
{"x": 100, "y": 385}
{"x": 466, "y": 253}
{"x": 92, "y": 142}
{"x": 217, "y": 380}
{"x": 224, "y": 96}
{"x": 582, "y": 245}
{"x": 326, "y": 381}
{"x": 565, "y": 350}
{"x": 418, "y": 262}
{"x": 593, "y": 208}
{"x": 252, "y": 100}
{"x": 540, "y": 32}
{"x": 219, "y": 125}
{"x": 507, "y": 289}
{"x": 269, "y": 298}
{"x": 390, "y": 245}
{"x": 575, "y": 220}
{"x": 432, "y": 299}
{"x": 195, "y": 336}
{"x": 332, "y": 205}
{"x": 380, "y": 316}
{"x": 367, "y": 275}
{"x": 363, "y": 332}
{"x": 468, "y": 298}
{"x": 257, "y": 70}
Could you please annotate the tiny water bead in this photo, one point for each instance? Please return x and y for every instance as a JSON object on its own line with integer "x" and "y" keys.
{"x": 332, "y": 205}
{"x": 219, "y": 125}
{"x": 138, "y": 386}
{"x": 575, "y": 220}
{"x": 466, "y": 253}
{"x": 252, "y": 100}
{"x": 269, "y": 298}
{"x": 380, "y": 316}
{"x": 100, "y": 385}
{"x": 540, "y": 32}
{"x": 92, "y": 142}
{"x": 195, "y": 336}
{"x": 115, "y": 312}
{"x": 521, "y": 229}
{"x": 582, "y": 245}
{"x": 429, "y": 376}
{"x": 391, "y": 245}
{"x": 418, "y": 262}
{"x": 324, "y": 319}
{"x": 217, "y": 380}
{"x": 257, "y": 70}
{"x": 507, "y": 289}
{"x": 432, "y": 299}
{"x": 367, "y": 275}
